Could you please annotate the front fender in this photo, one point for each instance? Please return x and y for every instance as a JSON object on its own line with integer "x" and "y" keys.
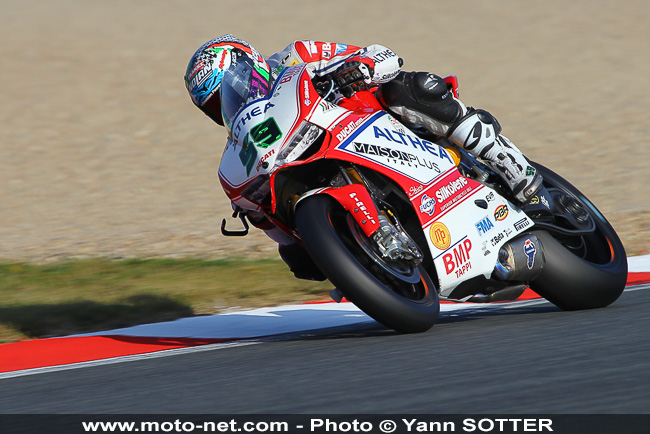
{"x": 355, "y": 199}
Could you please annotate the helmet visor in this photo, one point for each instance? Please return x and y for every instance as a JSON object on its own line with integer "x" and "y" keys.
{"x": 241, "y": 85}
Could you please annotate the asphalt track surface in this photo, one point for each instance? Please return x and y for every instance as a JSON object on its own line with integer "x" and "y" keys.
{"x": 532, "y": 359}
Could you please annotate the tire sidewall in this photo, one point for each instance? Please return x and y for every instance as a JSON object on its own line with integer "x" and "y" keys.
{"x": 314, "y": 223}
{"x": 571, "y": 282}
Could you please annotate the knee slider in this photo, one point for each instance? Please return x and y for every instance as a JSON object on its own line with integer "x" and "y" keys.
{"x": 423, "y": 99}
{"x": 420, "y": 90}
{"x": 428, "y": 88}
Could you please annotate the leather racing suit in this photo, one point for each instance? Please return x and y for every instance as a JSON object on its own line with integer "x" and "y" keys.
{"x": 418, "y": 99}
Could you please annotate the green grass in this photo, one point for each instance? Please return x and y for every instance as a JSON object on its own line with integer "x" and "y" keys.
{"x": 98, "y": 294}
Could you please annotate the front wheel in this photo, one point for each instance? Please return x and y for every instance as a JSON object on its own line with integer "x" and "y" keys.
{"x": 581, "y": 271}
{"x": 398, "y": 294}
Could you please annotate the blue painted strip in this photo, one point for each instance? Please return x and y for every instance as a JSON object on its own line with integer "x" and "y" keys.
{"x": 450, "y": 247}
{"x": 361, "y": 129}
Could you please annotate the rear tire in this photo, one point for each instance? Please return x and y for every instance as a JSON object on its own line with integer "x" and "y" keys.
{"x": 581, "y": 272}
{"x": 329, "y": 237}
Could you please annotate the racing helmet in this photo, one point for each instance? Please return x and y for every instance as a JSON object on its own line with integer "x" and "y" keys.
{"x": 207, "y": 68}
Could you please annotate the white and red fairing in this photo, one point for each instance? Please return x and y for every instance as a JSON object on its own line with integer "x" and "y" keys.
{"x": 464, "y": 221}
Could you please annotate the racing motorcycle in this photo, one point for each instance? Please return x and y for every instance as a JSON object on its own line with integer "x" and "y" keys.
{"x": 398, "y": 219}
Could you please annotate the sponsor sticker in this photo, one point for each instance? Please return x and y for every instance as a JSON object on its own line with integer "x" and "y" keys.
{"x": 519, "y": 225}
{"x": 289, "y": 74}
{"x": 265, "y": 157}
{"x": 362, "y": 206}
{"x": 457, "y": 260}
{"x": 327, "y": 50}
{"x": 440, "y": 236}
{"x": 497, "y": 239}
{"x": 307, "y": 95}
{"x": 501, "y": 213}
{"x": 427, "y": 205}
{"x": 348, "y": 129}
{"x": 244, "y": 118}
{"x": 530, "y": 250}
{"x": 415, "y": 190}
{"x": 392, "y": 156}
{"x": 545, "y": 202}
{"x": 411, "y": 141}
{"x": 450, "y": 188}
{"x": 484, "y": 225}
{"x": 326, "y": 106}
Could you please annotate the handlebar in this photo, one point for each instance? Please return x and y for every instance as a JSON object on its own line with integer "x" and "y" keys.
{"x": 363, "y": 100}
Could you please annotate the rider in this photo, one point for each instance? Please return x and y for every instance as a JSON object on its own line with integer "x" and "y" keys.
{"x": 419, "y": 99}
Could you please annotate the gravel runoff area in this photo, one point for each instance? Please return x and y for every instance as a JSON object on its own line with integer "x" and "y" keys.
{"x": 103, "y": 154}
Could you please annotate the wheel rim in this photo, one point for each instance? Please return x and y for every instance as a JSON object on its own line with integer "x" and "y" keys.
{"x": 402, "y": 277}
{"x": 588, "y": 247}
{"x": 403, "y": 270}
{"x": 601, "y": 247}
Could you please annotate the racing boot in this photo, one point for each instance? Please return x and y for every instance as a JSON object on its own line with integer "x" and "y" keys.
{"x": 300, "y": 263}
{"x": 478, "y": 132}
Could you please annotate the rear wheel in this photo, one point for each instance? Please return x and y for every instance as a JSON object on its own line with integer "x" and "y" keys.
{"x": 398, "y": 294}
{"x": 582, "y": 271}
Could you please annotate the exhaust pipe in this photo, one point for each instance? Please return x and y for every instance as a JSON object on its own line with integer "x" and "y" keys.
{"x": 521, "y": 259}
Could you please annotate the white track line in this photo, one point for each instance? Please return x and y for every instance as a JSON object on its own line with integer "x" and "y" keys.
{"x": 638, "y": 264}
{"x": 122, "y": 359}
{"x": 352, "y": 315}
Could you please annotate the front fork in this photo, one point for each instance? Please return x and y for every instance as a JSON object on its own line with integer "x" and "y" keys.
{"x": 377, "y": 223}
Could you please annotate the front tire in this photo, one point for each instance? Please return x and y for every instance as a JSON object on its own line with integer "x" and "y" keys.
{"x": 332, "y": 240}
{"x": 581, "y": 272}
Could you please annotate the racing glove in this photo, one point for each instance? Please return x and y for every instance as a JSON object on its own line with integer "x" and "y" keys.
{"x": 354, "y": 75}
